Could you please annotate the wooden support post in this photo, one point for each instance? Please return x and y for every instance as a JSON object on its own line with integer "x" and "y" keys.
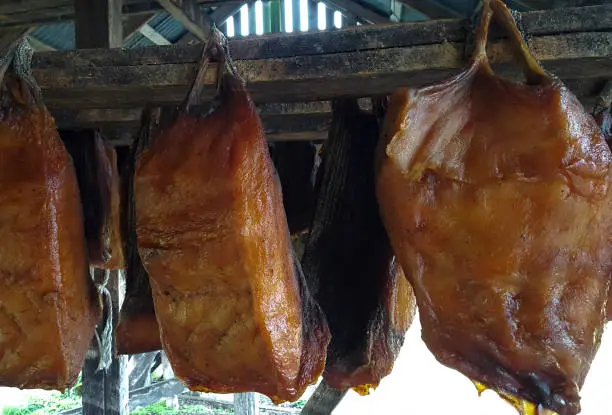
{"x": 98, "y": 25}
{"x": 246, "y": 404}
{"x": 323, "y": 401}
{"x": 106, "y": 392}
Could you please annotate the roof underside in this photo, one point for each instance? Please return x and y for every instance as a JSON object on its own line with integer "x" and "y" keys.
{"x": 167, "y": 30}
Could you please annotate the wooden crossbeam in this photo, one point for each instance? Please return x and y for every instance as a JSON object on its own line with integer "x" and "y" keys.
{"x": 39, "y": 45}
{"x": 190, "y": 15}
{"x": 153, "y": 35}
{"x": 432, "y": 9}
{"x": 18, "y": 13}
{"x": 323, "y": 401}
{"x": 358, "y": 61}
{"x": 282, "y": 122}
{"x": 360, "y": 11}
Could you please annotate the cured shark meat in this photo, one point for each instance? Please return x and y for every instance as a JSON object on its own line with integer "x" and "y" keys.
{"x": 496, "y": 198}
{"x": 348, "y": 261}
{"x": 49, "y": 306}
{"x": 137, "y": 331}
{"x": 95, "y": 162}
{"x": 233, "y": 310}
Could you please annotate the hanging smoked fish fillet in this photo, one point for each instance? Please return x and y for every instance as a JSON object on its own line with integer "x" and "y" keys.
{"x": 496, "y": 197}
{"x": 294, "y": 161}
{"x": 348, "y": 261}
{"x": 603, "y": 115}
{"x": 95, "y": 163}
{"x": 233, "y": 310}
{"x": 49, "y": 306}
{"x": 137, "y": 331}
{"x": 603, "y": 112}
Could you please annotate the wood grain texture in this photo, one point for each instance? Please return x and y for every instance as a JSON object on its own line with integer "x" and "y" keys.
{"x": 357, "y": 61}
{"x": 323, "y": 400}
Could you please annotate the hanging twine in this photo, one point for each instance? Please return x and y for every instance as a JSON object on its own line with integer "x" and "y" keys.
{"x": 105, "y": 339}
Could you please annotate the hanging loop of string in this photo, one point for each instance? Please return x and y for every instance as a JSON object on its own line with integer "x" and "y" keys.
{"x": 105, "y": 339}
{"x": 216, "y": 50}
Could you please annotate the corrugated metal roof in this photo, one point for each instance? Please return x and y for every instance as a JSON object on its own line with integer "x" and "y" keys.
{"x": 168, "y": 27}
{"x": 57, "y": 35}
{"x": 61, "y": 35}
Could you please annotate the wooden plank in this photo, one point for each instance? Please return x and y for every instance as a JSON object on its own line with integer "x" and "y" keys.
{"x": 323, "y": 400}
{"x": 190, "y": 15}
{"x": 154, "y": 393}
{"x": 98, "y": 24}
{"x": 246, "y": 404}
{"x": 140, "y": 374}
{"x": 153, "y": 35}
{"x": 323, "y": 65}
{"x": 360, "y": 11}
{"x": 38, "y": 45}
{"x": 116, "y": 380}
{"x": 105, "y": 392}
{"x": 432, "y": 9}
{"x": 365, "y": 37}
{"x": 223, "y": 12}
{"x": 315, "y": 77}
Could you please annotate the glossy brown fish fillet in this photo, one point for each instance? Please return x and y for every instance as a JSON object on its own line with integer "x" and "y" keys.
{"x": 114, "y": 235}
{"x": 95, "y": 163}
{"x": 348, "y": 261}
{"x": 229, "y": 297}
{"x": 603, "y": 115}
{"x": 137, "y": 331}
{"x": 48, "y": 304}
{"x": 496, "y": 197}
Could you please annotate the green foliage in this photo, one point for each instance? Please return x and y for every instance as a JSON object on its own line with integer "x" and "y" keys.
{"x": 160, "y": 408}
{"x": 47, "y": 406}
{"x": 298, "y": 404}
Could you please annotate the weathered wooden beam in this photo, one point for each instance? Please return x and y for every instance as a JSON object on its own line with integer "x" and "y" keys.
{"x": 132, "y": 23}
{"x": 281, "y": 123}
{"x": 190, "y": 15}
{"x": 153, "y": 35}
{"x": 323, "y": 400}
{"x": 18, "y": 13}
{"x": 223, "y": 12}
{"x": 98, "y": 24}
{"x": 432, "y": 9}
{"x": 246, "y": 404}
{"x": 154, "y": 393}
{"x": 38, "y": 45}
{"x": 360, "y": 11}
{"x": 140, "y": 372}
{"x": 359, "y": 61}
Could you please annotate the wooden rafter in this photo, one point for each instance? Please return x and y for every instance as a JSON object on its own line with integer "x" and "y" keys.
{"x": 39, "y": 45}
{"x": 361, "y": 61}
{"x": 153, "y": 35}
{"x": 360, "y": 11}
{"x": 25, "y": 13}
{"x": 432, "y": 9}
{"x": 190, "y": 15}
{"x": 323, "y": 401}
